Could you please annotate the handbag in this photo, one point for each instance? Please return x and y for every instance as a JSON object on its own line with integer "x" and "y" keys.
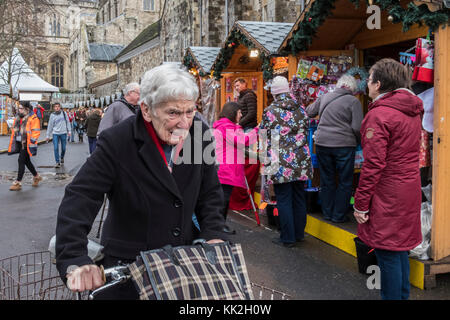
{"x": 198, "y": 272}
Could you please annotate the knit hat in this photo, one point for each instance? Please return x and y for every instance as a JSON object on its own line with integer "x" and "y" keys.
{"x": 279, "y": 85}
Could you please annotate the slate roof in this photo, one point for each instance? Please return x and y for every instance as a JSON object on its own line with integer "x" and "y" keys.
{"x": 104, "y": 52}
{"x": 149, "y": 33}
{"x": 269, "y": 35}
{"x": 204, "y": 56}
{"x": 4, "y": 89}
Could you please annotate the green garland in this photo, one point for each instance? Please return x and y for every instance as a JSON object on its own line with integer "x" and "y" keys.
{"x": 321, "y": 9}
{"x": 189, "y": 62}
{"x": 225, "y": 54}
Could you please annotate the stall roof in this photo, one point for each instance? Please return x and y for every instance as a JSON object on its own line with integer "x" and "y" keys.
{"x": 204, "y": 56}
{"x": 345, "y": 23}
{"x": 104, "y": 52}
{"x": 148, "y": 34}
{"x": 4, "y": 89}
{"x": 23, "y": 78}
{"x": 268, "y": 36}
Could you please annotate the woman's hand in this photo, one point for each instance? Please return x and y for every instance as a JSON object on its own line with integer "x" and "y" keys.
{"x": 87, "y": 277}
{"x": 360, "y": 217}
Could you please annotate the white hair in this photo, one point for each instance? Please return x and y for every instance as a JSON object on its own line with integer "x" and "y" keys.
{"x": 130, "y": 87}
{"x": 348, "y": 82}
{"x": 167, "y": 83}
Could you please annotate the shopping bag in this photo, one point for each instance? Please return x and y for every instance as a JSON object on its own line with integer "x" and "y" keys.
{"x": 198, "y": 272}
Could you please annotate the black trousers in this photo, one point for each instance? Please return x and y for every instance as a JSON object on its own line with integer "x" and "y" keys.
{"x": 227, "y": 190}
{"x": 24, "y": 160}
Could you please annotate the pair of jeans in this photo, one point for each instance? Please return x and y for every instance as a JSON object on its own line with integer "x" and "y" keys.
{"x": 394, "y": 269}
{"x": 57, "y": 138}
{"x": 336, "y": 199}
{"x": 24, "y": 160}
{"x": 291, "y": 205}
{"x": 92, "y": 144}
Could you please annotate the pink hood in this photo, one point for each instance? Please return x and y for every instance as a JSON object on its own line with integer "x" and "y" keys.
{"x": 228, "y": 137}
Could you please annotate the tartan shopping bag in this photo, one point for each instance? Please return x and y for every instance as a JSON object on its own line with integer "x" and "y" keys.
{"x": 198, "y": 272}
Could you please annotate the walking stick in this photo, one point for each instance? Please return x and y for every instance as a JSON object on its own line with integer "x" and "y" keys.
{"x": 101, "y": 218}
{"x": 253, "y": 203}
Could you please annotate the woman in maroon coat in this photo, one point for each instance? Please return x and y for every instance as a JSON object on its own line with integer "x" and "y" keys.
{"x": 387, "y": 201}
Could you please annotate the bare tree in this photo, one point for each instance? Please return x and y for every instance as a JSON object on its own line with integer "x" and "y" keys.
{"x": 19, "y": 25}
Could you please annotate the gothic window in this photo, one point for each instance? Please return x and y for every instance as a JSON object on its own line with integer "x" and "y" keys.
{"x": 149, "y": 5}
{"x": 57, "y": 72}
{"x": 55, "y": 26}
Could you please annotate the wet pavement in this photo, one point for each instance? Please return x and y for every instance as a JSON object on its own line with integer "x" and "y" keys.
{"x": 312, "y": 270}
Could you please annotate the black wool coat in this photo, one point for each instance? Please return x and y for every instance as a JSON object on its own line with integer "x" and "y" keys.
{"x": 149, "y": 207}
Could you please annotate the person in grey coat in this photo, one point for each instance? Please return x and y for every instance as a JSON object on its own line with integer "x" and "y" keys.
{"x": 58, "y": 128}
{"x": 121, "y": 109}
{"x": 336, "y": 138}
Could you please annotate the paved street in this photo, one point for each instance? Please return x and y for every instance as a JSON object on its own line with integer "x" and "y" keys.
{"x": 313, "y": 270}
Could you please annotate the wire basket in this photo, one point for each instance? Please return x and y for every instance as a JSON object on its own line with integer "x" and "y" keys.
{"x": 261, "y": 292}
{"x": 32, "y": 276}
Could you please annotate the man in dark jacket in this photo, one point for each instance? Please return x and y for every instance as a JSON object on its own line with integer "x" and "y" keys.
{"x": 248, "y": 103}
{"x": 92, "y": 123}
{"x": 152, "y": 195}
{"x": 121, "y": 109}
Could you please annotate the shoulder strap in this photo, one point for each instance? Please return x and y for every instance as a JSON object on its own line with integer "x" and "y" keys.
{"x": 64, "y": 113}
{"x": 326, "y": 105}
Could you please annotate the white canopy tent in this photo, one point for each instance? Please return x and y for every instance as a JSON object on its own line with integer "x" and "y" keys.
{"x": 24, "y": 81}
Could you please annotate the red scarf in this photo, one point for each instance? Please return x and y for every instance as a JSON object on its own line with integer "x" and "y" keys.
{"x": 158, "y": 142}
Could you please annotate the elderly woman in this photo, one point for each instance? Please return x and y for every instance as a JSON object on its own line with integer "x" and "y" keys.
{"x": 288, "y": 163}
{"x": 336, "y": 138}
{"x": 152, "y": 195}
{"x": 387, "y": 201}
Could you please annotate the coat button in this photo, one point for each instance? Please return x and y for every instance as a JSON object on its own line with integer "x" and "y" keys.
{"x": 176, "y": 232}
{"x": 177, "y": 203}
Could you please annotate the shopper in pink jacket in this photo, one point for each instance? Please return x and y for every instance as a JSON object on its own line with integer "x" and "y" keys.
{"x": 230, "y": 143}
{"x": 387, "y": 201}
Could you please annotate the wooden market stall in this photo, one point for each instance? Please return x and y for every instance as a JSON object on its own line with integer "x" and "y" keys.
{"x": 5, "y": 108}
{"x": 338, "y": 28}
{"x": 8, "y": 108}
{"x": 199, "y": 61}
{"x": 251, "y": 52}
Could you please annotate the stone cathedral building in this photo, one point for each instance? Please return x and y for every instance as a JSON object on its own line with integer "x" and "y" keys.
{"x": 97, "y": 46}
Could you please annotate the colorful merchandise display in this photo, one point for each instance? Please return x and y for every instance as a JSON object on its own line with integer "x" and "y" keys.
{"x": 318, "y": 75}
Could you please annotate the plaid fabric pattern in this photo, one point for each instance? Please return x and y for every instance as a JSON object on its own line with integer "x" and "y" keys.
{"x": 186, "y": 273}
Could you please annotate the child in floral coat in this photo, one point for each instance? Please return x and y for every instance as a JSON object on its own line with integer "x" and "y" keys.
{"x": 288, "y": 161}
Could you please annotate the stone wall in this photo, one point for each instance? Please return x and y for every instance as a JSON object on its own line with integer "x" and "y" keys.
{"x": 106, "y": 88}
{"x": 122, "y": 28}
{"x": 180, "y": 28}
{"x": 133, "y": 69}
{"x": 287, "y": 10}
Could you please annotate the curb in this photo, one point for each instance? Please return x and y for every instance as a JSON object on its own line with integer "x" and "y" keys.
{"x": 39, "y": 142}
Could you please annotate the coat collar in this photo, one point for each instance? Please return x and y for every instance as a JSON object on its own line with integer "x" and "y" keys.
{"x": 150, "y": 155}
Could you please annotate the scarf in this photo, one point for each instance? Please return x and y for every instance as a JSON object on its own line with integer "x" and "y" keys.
{"x": 21, "y": 129}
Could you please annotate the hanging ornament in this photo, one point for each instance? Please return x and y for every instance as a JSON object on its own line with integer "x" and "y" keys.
{"x": 390, "y": 18}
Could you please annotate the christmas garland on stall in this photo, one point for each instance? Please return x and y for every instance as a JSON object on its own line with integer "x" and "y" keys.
{"x": 190, "y": 63}
{"x": 225, "y": 54}
{"x": 321, "y": 9}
